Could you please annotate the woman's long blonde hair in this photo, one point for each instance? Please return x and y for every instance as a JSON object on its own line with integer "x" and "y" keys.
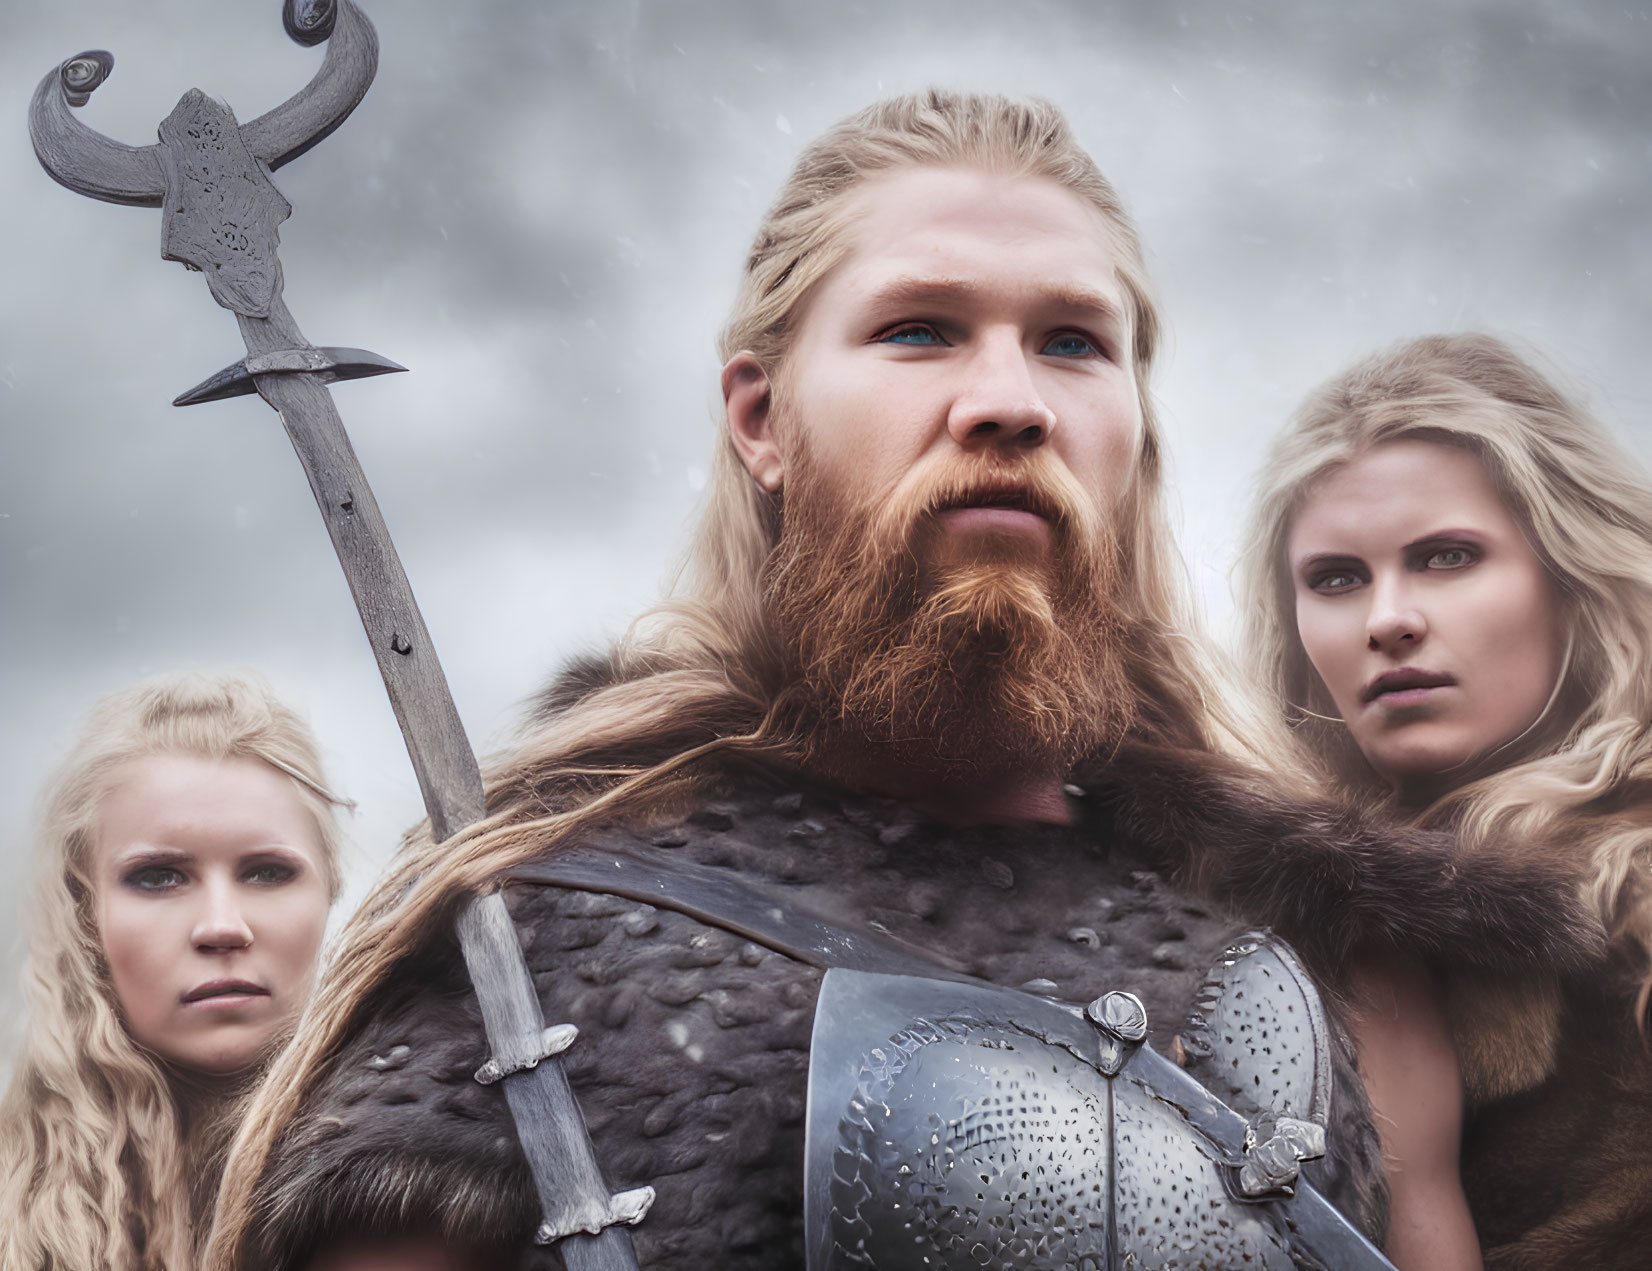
{"x": 93, "y": 1173}
{"x": 1586, "y": 509}
{"x": 702, "y": 671}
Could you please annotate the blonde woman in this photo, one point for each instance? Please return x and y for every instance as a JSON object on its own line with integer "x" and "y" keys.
{"x": 1450, "y": 591}
{"x": 188, "y": 859}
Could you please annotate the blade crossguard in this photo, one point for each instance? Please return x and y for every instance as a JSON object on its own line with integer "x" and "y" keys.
{"x": 221, "y": 215}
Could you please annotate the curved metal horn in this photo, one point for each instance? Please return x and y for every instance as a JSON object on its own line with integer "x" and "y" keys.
{"x": 80, "y": 157}
{"x": 309, "y": 115}
{"x": 87, "y": 162}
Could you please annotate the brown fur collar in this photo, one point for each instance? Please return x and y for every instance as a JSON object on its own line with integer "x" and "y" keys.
{"x": 1334, "y": 880}
{"x": 1502, "y": 929}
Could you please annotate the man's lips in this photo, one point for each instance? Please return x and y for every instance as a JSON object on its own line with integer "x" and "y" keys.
{"x": 1009, "y": 508}
{"x": 995, "y": 517}
{"x": 216, "y": 990}
{"x": 1007, "y": 494}
{"x": 1404, "y": 684}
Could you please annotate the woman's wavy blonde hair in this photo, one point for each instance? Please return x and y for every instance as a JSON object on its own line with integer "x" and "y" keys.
{"x": 1586, "y": 509}
{"x": 702, "y": 671}
{"x": 93, "y": 1170}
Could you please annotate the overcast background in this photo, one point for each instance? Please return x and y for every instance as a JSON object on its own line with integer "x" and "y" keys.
{"x": 540, "y": 209}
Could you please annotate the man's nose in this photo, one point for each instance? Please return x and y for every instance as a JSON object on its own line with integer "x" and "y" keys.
{"x": 999, "y": 405}
{"x": 1394, "y": 623}
{"x": 220, "y": 925}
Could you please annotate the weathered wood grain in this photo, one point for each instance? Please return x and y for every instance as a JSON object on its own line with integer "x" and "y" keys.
{"x": 442, "y": 760}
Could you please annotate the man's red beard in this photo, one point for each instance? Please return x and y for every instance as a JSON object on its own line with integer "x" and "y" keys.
{"x": 945, "y": 655}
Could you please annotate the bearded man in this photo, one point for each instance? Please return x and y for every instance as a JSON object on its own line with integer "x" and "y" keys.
{"x": 930, "y": 701}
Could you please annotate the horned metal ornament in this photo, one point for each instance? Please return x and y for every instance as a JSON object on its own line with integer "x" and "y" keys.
{"x": 220, "y": 215}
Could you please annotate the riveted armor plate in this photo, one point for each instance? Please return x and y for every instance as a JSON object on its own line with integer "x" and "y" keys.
{"x": 1258, "y": 1037}
{"x": 966, "y": 1125}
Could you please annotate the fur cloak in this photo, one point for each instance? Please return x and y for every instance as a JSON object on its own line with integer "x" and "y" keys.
{"x": 693, "y": 1049}
{"x": 1560, "y": 1175}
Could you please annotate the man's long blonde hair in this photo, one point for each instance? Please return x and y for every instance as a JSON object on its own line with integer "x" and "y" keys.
{"x": 1585, "y": 508}
{"x": 93, "y": 1172}
{"x": 701, "y": 672}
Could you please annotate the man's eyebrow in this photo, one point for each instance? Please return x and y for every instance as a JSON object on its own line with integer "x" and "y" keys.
{"x": 930, "y": 289}
{"x": 1079, "y": 297}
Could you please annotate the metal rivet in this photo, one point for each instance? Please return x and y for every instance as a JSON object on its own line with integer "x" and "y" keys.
{"x": 1121, "y": 1020}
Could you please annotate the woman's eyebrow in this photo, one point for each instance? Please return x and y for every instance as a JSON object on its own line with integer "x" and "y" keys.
{"x": 1446, "y": 536}
{"x": 1327, "y": 558}
{"x": 272, "y": 849}
{"x": 141, "y": 855}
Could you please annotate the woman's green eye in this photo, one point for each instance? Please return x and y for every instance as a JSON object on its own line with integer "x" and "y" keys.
{"x": 269, "y": 874}
{"x": 1340, "y": 580}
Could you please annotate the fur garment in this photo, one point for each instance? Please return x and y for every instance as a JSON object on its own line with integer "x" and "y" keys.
{"x": 1560, "y": 1174}
{"x": 693, "y": 1050}
{"x": 1557, "y": 1073}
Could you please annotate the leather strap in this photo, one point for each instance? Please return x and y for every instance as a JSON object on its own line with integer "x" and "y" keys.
{"x": 721, "y": 899}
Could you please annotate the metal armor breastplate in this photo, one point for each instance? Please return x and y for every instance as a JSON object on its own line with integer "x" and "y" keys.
{"x": 973, "y": 1126}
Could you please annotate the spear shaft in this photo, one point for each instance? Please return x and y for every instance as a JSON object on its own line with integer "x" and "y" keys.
{"x": 575, "y": 1201}
{"x": 220, "y": 215}
{"x": 436, "y": 743}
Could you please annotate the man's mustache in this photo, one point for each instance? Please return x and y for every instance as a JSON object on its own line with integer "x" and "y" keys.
{"x": 1019, "y": 494}
{"x": 1032, "y": 485}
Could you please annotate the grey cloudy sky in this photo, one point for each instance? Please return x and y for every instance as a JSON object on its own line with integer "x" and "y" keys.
{"x": 540, "y": 209}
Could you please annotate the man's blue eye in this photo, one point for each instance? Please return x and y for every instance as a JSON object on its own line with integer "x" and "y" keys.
{"x": 912, "y": 335}
{"x": 1070, "y": 345}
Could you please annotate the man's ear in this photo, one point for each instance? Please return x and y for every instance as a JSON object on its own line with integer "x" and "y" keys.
{"x": 747, "y": 401}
